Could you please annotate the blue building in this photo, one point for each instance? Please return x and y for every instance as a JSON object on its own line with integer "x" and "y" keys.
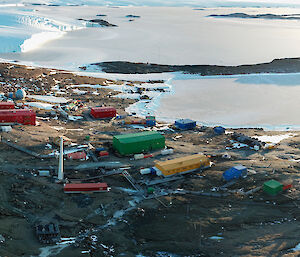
{"x": 219, "y": 130}
{"x": 185, "y": 124}
{"x": 235, "y": 172}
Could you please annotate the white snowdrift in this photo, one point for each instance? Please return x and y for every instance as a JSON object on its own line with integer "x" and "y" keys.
{"x": 39, "y": 39}
{"x": 49, "y": 99}
{"x": 39, "y": 105}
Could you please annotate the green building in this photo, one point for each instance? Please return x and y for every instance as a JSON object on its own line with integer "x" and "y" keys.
{"x": 272, "y": 187}
{"x": 138, "y": 142}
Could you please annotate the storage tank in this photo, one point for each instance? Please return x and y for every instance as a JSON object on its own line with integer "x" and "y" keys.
{"x": 20, "y": 94}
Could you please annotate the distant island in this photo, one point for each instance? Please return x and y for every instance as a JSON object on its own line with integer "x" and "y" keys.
{"x": 258, "y": 16}
{"x": 286, "y": 65}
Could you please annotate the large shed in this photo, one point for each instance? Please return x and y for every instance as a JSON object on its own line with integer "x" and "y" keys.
{"x": 181, "y": 165}
{"x": 103, "y": 112}
{"x": 138, "y": 142}
{"x": 85, "y": 187}
{"x": 185, "y": 124}
{"x": 21, "y": 116}
{"x": 7, "y": 105}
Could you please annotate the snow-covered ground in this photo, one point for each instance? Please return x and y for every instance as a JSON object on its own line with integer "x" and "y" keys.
{"x": 165, "y": 35}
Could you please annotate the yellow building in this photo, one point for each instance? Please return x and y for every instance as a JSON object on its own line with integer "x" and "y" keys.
{"x": 181, "y": 165}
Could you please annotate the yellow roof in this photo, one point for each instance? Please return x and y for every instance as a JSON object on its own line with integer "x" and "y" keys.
{"x": 182, "y": 161}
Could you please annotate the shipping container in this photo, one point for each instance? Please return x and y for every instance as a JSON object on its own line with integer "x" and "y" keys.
{"x": 77, "y": 156}
{"x": 44, "y": 173}
{"x": 185, "y": 124}
{"x": 7, "y": 105}
{"x": 182, "y": 165}
{"x": 138, "y": 142}
{"x": 21, "y": 116}
{"x": 103, "y": 112}
{"x": 235, "y": 172}
{"x": 150, "y": 117}
{"x": 150, "y": 121}
{"x": 85, "y": 187}
{"x": 103, "y": 154}
{"x": 99, "y": 149}
{"x": 272, "y": 187}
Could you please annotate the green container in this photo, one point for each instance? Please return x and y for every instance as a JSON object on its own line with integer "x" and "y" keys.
{"x": 150, "y": 190}
{"x": 150, "y": 117}
{"x": 272, "y": 187}
{"x": 138, "y": 142}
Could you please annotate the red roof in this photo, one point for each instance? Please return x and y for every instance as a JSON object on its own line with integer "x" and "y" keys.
{"x": 7, "y": 105}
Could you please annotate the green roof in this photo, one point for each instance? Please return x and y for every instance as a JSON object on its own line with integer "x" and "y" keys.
{"x": 273, "y": 184}
{"x": 272, "y": 187}
{"x": 137, "y": 137}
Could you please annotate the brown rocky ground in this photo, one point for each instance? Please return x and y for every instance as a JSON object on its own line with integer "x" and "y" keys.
{"x": 254, "y": 225}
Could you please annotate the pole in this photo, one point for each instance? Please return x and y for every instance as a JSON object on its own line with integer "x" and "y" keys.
{"x": 61, "y": 161}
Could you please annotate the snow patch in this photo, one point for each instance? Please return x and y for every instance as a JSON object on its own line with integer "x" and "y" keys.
{"x": 49, "y": 99}
{"x": 39, "y": 105}
{"x": 274, "y": 139}
{"x": 297, "y": 248}
{"x": 39, "y": 39}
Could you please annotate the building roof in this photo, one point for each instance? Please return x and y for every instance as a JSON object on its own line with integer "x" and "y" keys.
{"x": 102, "y": 109}
{"x": 182, "y": 161}
{"x": 137, "y": 137}
{"x": 184, "y": 121}
{"x": 79, "y": 186}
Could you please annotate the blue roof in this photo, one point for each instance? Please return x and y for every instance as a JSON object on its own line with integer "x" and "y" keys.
{"x": 185, "y": 121}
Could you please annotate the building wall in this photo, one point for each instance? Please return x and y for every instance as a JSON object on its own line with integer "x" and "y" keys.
{"x": 138, "y": 147}
{"x": 184, "y": 164}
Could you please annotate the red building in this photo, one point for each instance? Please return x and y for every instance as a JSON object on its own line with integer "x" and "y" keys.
{"x": 103, "y": 112}
{"x": 7, "y": 105}
{"x": 85, "y": 187}
{"x": 21, "y": 116}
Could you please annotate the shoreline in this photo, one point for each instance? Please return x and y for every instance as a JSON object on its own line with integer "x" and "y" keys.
{"x": 141, "y": 112}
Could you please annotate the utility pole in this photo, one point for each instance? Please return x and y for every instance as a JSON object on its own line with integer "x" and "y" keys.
{"x": 60, "y": 174}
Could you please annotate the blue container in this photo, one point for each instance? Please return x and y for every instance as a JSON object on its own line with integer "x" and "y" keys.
{"x": 10, "y": 95}
{"x": 150, "y": 123}
{"x": 152, "y": 171}
{"x": 219, "y": 130}
{"x": 185, "y": 124}
{"x": 120, "y": 117}
{"x": 235, "y": 172}
{"x": 99, "y": 149}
